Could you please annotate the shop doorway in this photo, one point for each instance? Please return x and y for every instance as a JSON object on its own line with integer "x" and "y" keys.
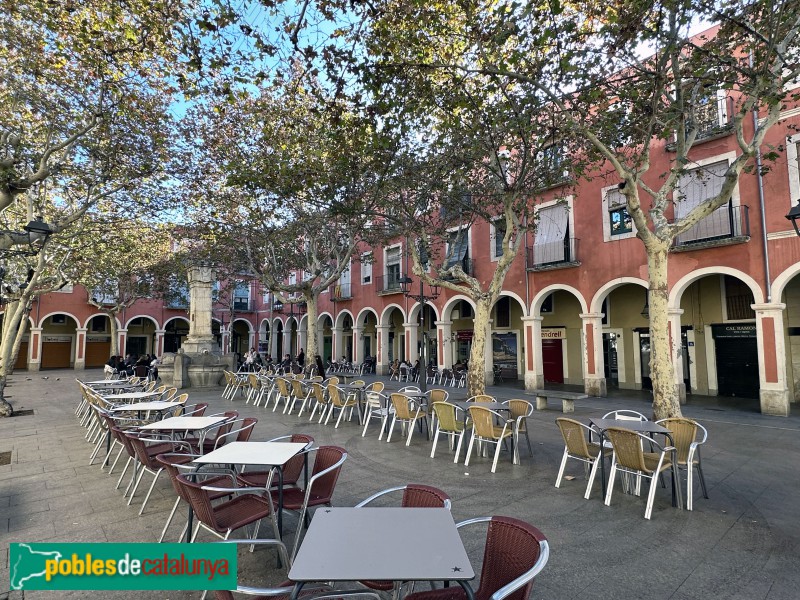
{"x": 736, "y": 351}
{"x": 553, "y": 361}
{"x": 610, "y": 359}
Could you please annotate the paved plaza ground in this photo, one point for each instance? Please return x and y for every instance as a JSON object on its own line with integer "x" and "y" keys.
{"x": 743, "y": 542}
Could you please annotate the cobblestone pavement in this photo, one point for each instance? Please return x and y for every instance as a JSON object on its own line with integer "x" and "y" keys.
{"x": 741, "y": 543}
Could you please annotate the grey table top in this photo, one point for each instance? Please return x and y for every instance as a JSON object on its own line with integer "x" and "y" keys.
{"x": 385, "y": 544}
{"x": 495, "y": 406}
{"x": 253, "y": 453}
{"x": 185, "y": 423}
{"x": 143, "y": 406}
{"x": 640, "y": 426}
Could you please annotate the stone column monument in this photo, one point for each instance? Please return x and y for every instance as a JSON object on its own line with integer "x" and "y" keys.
{"x": 199, "y": 362}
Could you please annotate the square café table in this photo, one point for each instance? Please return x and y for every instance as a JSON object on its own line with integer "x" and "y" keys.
{"x": 382, "y": 544}
{"x": 185, "y": 424}
{"x": 140, "y": 407}
{"x": 266, "y": 454}
{"x": 131, "y": 396}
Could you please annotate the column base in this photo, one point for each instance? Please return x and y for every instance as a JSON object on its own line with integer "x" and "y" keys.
{"x": 34, "y": 366}
{"x": 533, "y": 381}
{"x": 80, "y": 365}
{"x": 680, "y": 392}
{"x": 775, "y": 402}
{"x": 595, "y": 386}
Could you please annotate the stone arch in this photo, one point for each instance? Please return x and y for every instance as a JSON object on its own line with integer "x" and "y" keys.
{"x": 340, "y": 318}
{"x": 171, "y": 319}
{"x": 59, "y": 312}
{"x": 781, "y": 281}
{"x": 388, "y": 311}
{"x": 538, "y": 299}
{"x": 148, "y": 317}
{"x": 362, "y": 316}
{"x": 322, "y": 316}
{"x": 245, "y": 321}
{"x": 102, "y": 314}
{"x": 413, "y": 312}
{"x": 684, "y": 282}
{"x": 515, "y": 296}
{"x": 601, "y": 294}
{"x": 447, "y": 309}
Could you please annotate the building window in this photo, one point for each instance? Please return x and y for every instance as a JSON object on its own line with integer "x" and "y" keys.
{"x": 458, "y": 248}
{"x": 738, "y": 300}
{"x": 502, "y": 312}
{"x": 694, "y": 188}
{"x": 618, "y": 225}
{"x": 552, "y": 165}
{"x": 366, "y": 268}
{"x": 241, "y": 296}
{"x": 393, "y": 267}
{"x": 98, "y": 324}
{"x": 498, "y": 232}
{"x": 551, "y": 244}
{"x": 793, "y": 160}
{"x": 547, "y": 304}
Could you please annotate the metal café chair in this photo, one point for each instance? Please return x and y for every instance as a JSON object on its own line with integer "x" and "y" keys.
{"x": 685, "y": 436}
{"x": 449, "y": 423}
{"x": 629, "y": 457}
{"x": 578, "y": 448}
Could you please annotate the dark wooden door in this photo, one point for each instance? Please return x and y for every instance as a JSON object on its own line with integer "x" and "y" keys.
{"x": 553, "y": 361}
{"x": 737, "y": 367}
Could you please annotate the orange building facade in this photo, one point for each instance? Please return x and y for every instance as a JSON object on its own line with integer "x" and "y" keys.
{"x": 573, "y": 308}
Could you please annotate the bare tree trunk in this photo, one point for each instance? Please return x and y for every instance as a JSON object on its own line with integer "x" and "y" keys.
{"x": 476, "y": 371}
{"x": 114, "y": 333}
{"x": 662, "y": 371}
{"x": 312, "y": 347}
{"x": 14, "y": 326}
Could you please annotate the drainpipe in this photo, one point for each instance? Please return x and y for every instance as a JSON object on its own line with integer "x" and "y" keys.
{"x": 760, "y": 181}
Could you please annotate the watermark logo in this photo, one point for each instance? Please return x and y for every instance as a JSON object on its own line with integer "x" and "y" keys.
{"x": 103, "y": 566}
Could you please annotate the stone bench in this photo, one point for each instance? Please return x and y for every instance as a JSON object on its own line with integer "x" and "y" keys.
{"x": 567, "y": 399}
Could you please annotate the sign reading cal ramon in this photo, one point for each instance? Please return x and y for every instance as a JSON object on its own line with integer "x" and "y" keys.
{"x": 101, "y": 566}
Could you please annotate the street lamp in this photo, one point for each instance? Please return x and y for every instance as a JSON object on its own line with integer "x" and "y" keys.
{"x": 794, "y": 217}
{"x": 37, "y": 233}
{"x": 422, "y": 298}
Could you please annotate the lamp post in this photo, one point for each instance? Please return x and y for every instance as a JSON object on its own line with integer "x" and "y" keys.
{"x": 37, "y": 232}
{"x": 422, "y": 298}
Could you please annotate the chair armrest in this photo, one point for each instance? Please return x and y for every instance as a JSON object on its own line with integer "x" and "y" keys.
{"x": 379, "y": 494}
{"x": 522, "y": 580}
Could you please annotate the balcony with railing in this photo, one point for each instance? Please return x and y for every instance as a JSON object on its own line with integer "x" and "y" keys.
{"x": 713, "y": 119}
{"x": 341, "y": 292}
{"x": 467, "y": 265}
{"x": 389, "y": 284}
{"x": 558, "y": 254}
{"x": 277, "y": 307}
{"x": 242, "y": 305}
{"x": 726, "y": 225}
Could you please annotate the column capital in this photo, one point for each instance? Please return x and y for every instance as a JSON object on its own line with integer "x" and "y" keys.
{"x": 675, "y": 312}
{"x": 81, "y": 330}
{"x": 160, "y": 331}
{"x": 122, "y": 330}
{"x": 771, "y": 307}
{"x": 36, "y": 329}
{"x": 410, "y": 324}
{"x": 532, "y": 319}
{"x": 443, "y": 323}
{"x": 586, "y": 316}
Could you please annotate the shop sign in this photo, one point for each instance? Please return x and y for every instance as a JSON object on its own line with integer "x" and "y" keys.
{"x": 738, "y": 330}
{"x": 465, "y": 335}
{"x": 56, "y": 338}
{"x": 554, "y": 334}
{"x": 98, "y": 338}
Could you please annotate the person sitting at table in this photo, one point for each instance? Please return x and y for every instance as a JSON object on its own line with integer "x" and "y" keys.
{"x": 286, "y": 363}
{"x": 415, "y": 370}
{"x": 318, "y": 366}
{"x": 250, "y": 359}
{"x": 154, "y": 367}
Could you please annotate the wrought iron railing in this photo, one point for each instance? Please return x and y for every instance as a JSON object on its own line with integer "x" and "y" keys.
{"x": 727, "y": 222}
{"x": 552, "y": 254}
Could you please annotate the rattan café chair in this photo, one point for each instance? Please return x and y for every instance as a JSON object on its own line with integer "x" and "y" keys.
{"x": 685, "y": 433}
{"x": 629, "y": 457}
{"x": 515, "y": 553}
{"x": 450, "y": 420}
{"x": 284, "y": 590}
{"x": 577, "y": 447}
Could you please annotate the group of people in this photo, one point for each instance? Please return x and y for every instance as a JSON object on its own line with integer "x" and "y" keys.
{"x": 252, "y": 361}
{"x": 127, "y": 366}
